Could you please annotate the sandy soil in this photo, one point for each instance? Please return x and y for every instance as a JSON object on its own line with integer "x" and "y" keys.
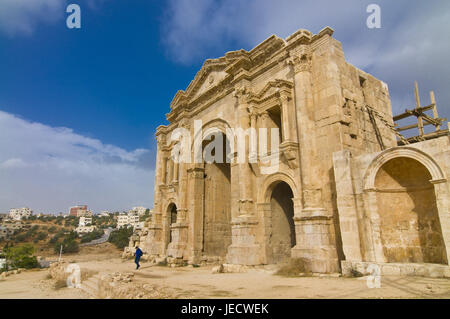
{"x": 188, "y": 282}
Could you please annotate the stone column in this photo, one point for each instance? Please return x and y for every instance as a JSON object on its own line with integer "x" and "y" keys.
{"x": 265, "y": 215}
{"x": 163, "y": 170}
{"x": 177, "y": 249}
{"x": 253, "y": 155}
{"x": 244, "y": 248}
{"x": 373, "y": 225}
{"x": 350, "y": 221}
{"x": 285, "y": 125}
{"x": 170, "y": 169}
{"x": 154, "y": 241}
{"x": 175, "y": 173}
{"x": 196, "y": 196}
{"x": 234, "y": 179}
{"x": 313, "y": 224}
{"x": 245, "y": 191}
{"x": 263, "y": 123}
{"x": 441, "y": 188}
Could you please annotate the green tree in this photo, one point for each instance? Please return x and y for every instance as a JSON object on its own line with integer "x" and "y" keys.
{"x": 52, "y": 230}
{"x": 121, "y": 237}
{"x": 21, "y": 257}
{"x": 69, "y": 245}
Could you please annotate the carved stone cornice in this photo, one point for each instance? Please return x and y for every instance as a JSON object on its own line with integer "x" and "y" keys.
{"x": 241, "y": 65}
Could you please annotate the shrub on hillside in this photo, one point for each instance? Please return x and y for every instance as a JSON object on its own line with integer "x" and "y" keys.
{"x": 121, "y": 237}
{"x": 96, "y": 234}
{"x": 41, "y": 236}
{"x": 69, "y": 245}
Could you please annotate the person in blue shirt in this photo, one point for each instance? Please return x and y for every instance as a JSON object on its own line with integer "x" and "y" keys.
{"x": 137, "y": 255}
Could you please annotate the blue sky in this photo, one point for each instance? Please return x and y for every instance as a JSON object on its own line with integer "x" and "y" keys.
{"x": 78, "y": 108}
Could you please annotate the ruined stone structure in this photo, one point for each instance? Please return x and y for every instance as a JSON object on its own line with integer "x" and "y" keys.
{"x": 344, "y": 191}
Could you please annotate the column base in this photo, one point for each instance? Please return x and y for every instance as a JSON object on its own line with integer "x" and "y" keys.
{"x": 154, "y": 242}
{"x": 318, "y": 259}
{"x": 177, "y": 247}
{"x": 315, "y": 244}
{"x": 244, "y": 249}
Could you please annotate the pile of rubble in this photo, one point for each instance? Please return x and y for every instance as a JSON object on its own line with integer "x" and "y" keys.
{"x": 121, "y": 286}
{"x": 5, "y": 274}
{"x": 58, "y": 270}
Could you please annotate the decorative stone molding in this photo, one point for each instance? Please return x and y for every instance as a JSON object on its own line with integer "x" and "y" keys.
{"x": 197, "y": 172}
{"x": 290, "y": 151}
{"x": 401, "y": 151}
{"x": 313, "y": 214}
{"x": 271, "y": 181}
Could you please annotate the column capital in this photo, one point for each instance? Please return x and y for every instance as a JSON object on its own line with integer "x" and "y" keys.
{"x": 242, "y": 94}
{"x": 301, "y": 61}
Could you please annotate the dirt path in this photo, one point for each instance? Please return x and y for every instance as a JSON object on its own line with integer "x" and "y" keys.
{"x": 201, "y": 283}
{"x": 35, "y": 284}
{"x": 188, "y": 282}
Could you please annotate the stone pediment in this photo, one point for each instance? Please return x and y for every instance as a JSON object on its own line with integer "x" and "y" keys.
{"x": 215, "y": 71}
{"x": 272, "y": 88}
{"x": 209, "y": 76}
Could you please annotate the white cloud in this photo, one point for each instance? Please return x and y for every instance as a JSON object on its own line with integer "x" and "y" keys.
{"x": 50, "y": 169}
{"x": 411, "y": 45}
{"x": 22, "y": 16}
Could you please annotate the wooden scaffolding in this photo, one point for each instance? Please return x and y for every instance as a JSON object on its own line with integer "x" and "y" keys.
{"x": 423, "y": 120}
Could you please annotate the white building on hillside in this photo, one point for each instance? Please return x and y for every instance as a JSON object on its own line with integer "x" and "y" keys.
{"x": 20, "y": 213}
{"x": 125, "y": 220}
{"x": 85, "y": 221}
{"x": 104, "y": 213}
{"x": 138, "y": 210}
{"x": 85, "y": 225}
{"x": 85, "y": 229}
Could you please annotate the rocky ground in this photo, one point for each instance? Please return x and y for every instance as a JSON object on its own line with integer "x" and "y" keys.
{"x": 185, "y": 282}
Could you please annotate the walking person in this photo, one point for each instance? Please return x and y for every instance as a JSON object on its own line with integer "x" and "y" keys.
{"x": 138, "y": 255}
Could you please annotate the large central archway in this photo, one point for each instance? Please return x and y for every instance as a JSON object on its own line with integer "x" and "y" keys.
{"x": 217, "y": 201}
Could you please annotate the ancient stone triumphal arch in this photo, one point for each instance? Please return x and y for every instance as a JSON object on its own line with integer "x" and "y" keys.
{"x": 337, "y": 193}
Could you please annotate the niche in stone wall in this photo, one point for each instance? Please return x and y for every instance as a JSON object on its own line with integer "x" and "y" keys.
{"x": 410, "y": 226}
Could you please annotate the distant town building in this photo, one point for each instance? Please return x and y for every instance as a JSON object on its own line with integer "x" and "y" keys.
{"x": 127, "y": 220}
{"x": 85, "y": 229}
{"x": 104, "y": 213}
{"x": 138, "y": 210}
{"x": 19, "y": 213}
{"x": 79, "y": 211}
{"x": 85, "y": 221}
